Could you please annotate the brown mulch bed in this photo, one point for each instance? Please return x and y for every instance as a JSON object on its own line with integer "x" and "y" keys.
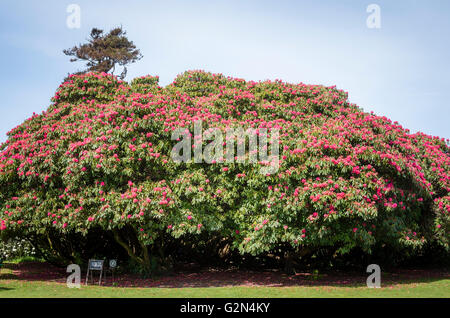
{"x": 213, "y": 277}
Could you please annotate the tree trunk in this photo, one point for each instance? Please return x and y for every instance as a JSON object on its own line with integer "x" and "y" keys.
{"x": 143, "y": 259}
{"x": 290, "y": 259}
{"x": 288, "y": 263}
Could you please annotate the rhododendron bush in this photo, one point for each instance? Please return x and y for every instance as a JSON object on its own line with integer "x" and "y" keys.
{"x": 99, "y": 158}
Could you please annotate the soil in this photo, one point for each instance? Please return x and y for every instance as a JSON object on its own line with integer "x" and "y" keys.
{"x": 192, "y": 276}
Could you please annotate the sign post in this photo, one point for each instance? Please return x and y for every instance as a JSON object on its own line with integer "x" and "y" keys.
{"x": 95, "y": 265}
{"x": 112, "y": 267}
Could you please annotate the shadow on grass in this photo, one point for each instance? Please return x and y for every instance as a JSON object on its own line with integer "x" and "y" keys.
{"x": 7, "y": 276}
{"x": 224, "y": 278}
{"x": 32, "y": 271}
{"x": 187, "y": 277}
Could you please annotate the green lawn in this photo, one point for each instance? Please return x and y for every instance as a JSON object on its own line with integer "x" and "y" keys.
{"x": 30, "y": 289}
{"x": 12, "y": 286}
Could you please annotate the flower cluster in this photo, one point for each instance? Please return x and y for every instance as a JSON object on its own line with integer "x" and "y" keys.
{"x": 99, "y": 156}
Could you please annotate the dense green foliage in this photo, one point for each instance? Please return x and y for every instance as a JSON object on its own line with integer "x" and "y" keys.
{"x": 98, "y": 163}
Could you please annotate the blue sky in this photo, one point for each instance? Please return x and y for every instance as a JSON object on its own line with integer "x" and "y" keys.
{"x": 400, "y": 70}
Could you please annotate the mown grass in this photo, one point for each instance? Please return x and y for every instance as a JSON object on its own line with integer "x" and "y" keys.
{"x": 11, "y": 287}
